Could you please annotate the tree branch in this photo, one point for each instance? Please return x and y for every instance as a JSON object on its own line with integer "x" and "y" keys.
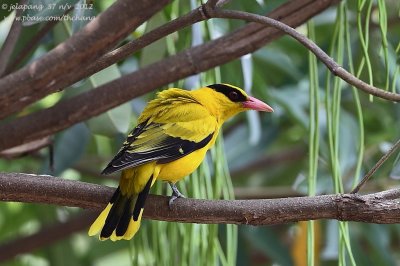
{"x": 31, "y": 83}
{"x": 380, "y": 207}
{"x": 46, "y": 236}
{"x": 214, "y": 53}
{"x": 376, "y": 167}
{"x": 334, "y": 67}
{"x": 129, "y": 48}
{"x": 33, "y": 43}
{"x": 12, "y": 38}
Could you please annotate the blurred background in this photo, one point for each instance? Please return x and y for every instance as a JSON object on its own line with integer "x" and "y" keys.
{"x": 322, "y": 138}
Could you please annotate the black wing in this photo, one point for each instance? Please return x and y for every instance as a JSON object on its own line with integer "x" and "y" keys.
{"x": 148, "y": 143}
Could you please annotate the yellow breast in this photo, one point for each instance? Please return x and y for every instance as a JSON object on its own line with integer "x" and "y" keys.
{"x": 176, "y": 170}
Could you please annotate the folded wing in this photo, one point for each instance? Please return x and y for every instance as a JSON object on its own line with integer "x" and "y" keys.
{"x": 162, "y": 142}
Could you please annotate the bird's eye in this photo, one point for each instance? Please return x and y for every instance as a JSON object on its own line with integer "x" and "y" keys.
{"x": 233, "y": 95}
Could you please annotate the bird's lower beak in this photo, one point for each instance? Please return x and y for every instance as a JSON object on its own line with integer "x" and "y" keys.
{"x": 256, "y": 104}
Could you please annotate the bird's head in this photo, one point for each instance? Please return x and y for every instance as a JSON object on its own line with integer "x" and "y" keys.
{"x": 227, "y": 100}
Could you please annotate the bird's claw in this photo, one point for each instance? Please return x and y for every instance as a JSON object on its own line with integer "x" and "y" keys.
{"x": 175, "y": 194}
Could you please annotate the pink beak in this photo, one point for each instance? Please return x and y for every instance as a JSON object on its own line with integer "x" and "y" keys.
{"x": 256, "y": 104}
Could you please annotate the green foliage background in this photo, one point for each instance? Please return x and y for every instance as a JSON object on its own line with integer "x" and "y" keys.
{"x": 329, "y": 133}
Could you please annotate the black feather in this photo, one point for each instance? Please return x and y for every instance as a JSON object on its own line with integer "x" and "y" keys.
{"x": 131, "y": 137}
{"x": 125, "y": 218}
{"x": 115, "y": 195}
{"x": 232, "y": 93}
{"x": 114, "y": 215}
{"x": 172, "y": 149}
{"x": 141, "y": 199}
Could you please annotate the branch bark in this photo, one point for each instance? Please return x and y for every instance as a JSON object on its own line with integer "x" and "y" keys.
{"x": 214, "y": 53}
{"x": 11, "y": 40}
{"x": 45, "y": 236}
{"x": 32, "y": 43}
{"x": 334, "y": 67}
{"x": 31, "y": 83}
{"x": 380, "y": 207}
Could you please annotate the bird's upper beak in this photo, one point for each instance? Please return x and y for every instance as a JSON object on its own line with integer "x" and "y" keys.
{"x": 256, "y": 104}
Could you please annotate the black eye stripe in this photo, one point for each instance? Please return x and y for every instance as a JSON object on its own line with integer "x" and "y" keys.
{"x": 229, "y": 92}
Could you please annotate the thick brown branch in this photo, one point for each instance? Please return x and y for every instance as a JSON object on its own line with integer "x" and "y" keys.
{"x": 206, "y": 56}
{"x": 31, "y": 83}
{"x": 381, "y": 207}
{"x": 129, "y": 48}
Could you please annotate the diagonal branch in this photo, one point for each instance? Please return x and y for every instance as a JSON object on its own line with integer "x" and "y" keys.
{"x": 12, "y": 38}
{"x": 129, "y": 48}
{"x": 31, "y": 83}
{"x": 32, "y": 43}
{"x": 380, "y": 207}
{"x": 214, "y": 53}
{"x": 381, "y": 161}
{"x": 334, "y": 67}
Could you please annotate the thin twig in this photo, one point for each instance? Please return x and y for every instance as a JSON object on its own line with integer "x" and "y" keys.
{"x": 376, "y": 167}
{"x": 334, "y": 67}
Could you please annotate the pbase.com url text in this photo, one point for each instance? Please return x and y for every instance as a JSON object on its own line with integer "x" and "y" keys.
{"x": 28, "y": 18}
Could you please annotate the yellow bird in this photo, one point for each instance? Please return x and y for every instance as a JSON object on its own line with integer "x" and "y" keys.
{"x": 173, "y": 134}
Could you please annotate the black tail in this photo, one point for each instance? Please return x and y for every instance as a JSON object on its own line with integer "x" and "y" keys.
{"x": 121, "y": 218}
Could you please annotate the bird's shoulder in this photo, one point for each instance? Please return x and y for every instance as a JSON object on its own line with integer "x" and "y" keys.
{"x": 174, "y": 105}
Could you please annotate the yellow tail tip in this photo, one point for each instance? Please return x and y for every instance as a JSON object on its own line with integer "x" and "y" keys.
{"x": 133, "y": 227}
{"x": 98, "y": 224}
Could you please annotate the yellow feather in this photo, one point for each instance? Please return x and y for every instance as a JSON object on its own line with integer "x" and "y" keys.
{"x": 133, "y": 227}
{"x": 99, "y": 222}
{"x": 174, "y": 118}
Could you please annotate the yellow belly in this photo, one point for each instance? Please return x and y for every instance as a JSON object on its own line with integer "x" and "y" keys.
{"x": 176, "y": 170}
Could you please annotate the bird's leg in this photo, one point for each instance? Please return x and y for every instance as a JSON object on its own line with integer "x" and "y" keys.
{"x": 175, "y": 194}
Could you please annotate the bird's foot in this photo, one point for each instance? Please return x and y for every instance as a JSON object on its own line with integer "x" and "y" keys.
{"x": 175, "y": 194}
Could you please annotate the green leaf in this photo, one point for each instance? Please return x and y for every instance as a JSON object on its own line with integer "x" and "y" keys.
{"x": 156, "y": 50}
{"x": 237, "y": 147}
{"x": 395, "y": 173}
{"x": 348, "y": 132}
{"x": 68, "y": 148}
{"x": 265, "y": 240}
{"x": 118, "y": 119}
{"x": 83, "y": 13}
{"x": 279, "y": 62}
{"x": 6, "y": 8}
{"x": 379, "y": 238}
{"x": 295, "y": 100}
